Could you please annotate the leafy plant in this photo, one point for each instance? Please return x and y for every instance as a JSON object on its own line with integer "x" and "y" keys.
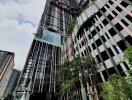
{"x": 72, "y": 25}
{"x": 9, "y": 97}
{"x": 128, "y": 55}
{"x": 70, "y": 73}
{"x": 117, "y": 88}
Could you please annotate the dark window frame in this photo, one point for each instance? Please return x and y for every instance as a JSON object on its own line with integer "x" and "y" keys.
{"x": 105, "y": 22}
{"x": 124, "y": 4}
{"x": 118, "y": 8}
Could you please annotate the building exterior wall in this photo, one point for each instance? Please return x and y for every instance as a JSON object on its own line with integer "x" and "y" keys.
{"x": 6, "y": 67}
{"x": 12, "y": 83}
{"x": 69, "y": 50}
{"x": 45, "y": 54}
{"x": 37, "y": 77}
{"x": 104, "y": 31}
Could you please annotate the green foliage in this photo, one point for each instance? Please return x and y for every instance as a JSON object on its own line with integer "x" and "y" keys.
{"x": 9, "y": 97}
{"x": 67, "y": 85}
{"x": 64, "y": 76}
{"x": 67, "y": 74}
{"x": 128, "y": 55}
{"x": 117, "y": 88}
{"x": 73, "y": 23}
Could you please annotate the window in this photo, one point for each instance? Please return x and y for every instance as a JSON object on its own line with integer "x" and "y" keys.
{"x": 104, "y": 55}
{"x": 98, "y": 42}
{"x": 101, "y": 26}
{"x": 116, "y": 49}
{"x": 82, "y": 43}
{"x": 99, "y": 14}
{"x": 98, "y": 58}
{"x": 103, "y": 9}
{"x": 97, "y": 28}
{"x": 82, "y": 54}
{"x": 111, "y": 70}
{"x": 99, "y": 78}
{"x": 105, "y": 75}
{"x": 124, "y": 4}
{"x": 105, "y": 22}
{"x": 122, "y": 45}
{"x": 107, "y": 6}
{"x": 86, "y": 28}
{"x": 85, "y": 52}
{"x": 110, "y": 2}
{"x": 129, "y": 39}
{"x": 129, "y": 17}
{"x": 119, "y": 27}
{"x": 93, "y": 32}
{"x": 121, "y": 70}
{"x": 119, "y": 9}
{"x": 107, "y": 36}
{"x": 93, "y": 45}
{"x": 93, "y": 20}
{"x": 125, "y": 64}
{"x": 112, "y": 32}
{"x": 110, "y": 52}
{"x": 124, "y": 22}
{"x": 74, "y": 51}
{"x": 89, "y": 36}
{"x": 103, "y": 38}
{"x": 114, "y": 13}
{"x": 47, "y": 23}
{"x": 89, "y": 48}
{"x": 110, "y": 17}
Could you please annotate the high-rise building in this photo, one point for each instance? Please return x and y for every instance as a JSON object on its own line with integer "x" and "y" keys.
{"x": 45, "y": 54}
{"x": 6, "y": 66}
{"x": 12, "y": 83}
{"x": 104, "y": 30}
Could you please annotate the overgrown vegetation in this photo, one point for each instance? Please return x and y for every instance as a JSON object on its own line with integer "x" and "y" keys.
{"x": 72, "y": 25}
{"x": 128, "y": 55}
{"x": 117, "y": 88}
{"x": 9, "y": 97}
{"x": 70, "y": 74}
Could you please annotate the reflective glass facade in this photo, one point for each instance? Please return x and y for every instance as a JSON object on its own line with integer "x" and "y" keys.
{"x": 52, "y": 37}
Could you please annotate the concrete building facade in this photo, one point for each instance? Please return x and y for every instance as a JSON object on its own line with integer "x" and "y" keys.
{"x": 104, "y": 31}
{"x": 6, "y": 66}
{"x": 12, "y": 83}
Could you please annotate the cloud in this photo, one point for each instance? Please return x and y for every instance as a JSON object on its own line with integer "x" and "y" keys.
{"x": 9, "y": 1}
{"x": 20, "y": 18}
{"x": 18, "y": 21}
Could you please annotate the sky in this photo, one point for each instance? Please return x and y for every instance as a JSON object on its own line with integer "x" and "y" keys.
{"x": 19, "y": 19}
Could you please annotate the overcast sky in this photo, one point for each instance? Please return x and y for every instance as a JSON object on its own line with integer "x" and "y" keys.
{"x": 18, "y": 21}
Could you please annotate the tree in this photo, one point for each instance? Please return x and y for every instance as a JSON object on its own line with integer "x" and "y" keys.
{"x": 64, "y": 78}
{"x": 9, "y": 97}
{"x": 128, "y": 55}
{"x": 72, "y": 72}
{"x": 117, "y": 88}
